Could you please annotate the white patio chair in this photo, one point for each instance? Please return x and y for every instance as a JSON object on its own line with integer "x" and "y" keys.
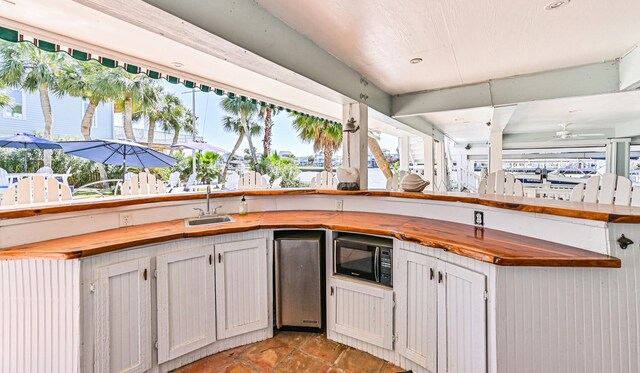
{"x": 191, "y": 181}
{"x": 276, "y": 183}
{"x": 394, "y": 183}
{"x": 143, "y": 184}
{"x": 252, "y": 180}
{"x": 36, "y": 189}
{"x": 324, "y": 180}
{"x": 174, "y": 180}
{"x": 231, "y": 183}
{"x": 45, "y": 170}
{"x": 501, "y": 183}
{"x": 608, "y": 189}
{"x": 4, "y": 177}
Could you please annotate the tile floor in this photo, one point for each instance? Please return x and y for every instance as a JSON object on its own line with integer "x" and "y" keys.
{"x": 291, "y": 352}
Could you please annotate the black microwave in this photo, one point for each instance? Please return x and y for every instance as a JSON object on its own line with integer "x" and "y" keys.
{"x": 365, "y": 257}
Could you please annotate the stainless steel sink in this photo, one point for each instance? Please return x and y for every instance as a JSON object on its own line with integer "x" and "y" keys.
{"x": 204, "y": 220}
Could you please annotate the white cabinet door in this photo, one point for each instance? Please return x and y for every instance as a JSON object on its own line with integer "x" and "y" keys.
{"x": 186, "y": 301}
{"x": 362, "y": 311}
{"x": 241, "y": 287}
{"x": 416, "y": 307}
{"x": 462, "y": 324}
{"x": 123, "y": 317}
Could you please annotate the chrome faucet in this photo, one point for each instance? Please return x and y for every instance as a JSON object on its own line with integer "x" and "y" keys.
{"x": 208, "y": 212}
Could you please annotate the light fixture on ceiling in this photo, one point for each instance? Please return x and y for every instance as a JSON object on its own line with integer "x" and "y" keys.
{"x": 556, "y": 4}
{"x": 415, "y": 60}
{"x": 177, "y": 64}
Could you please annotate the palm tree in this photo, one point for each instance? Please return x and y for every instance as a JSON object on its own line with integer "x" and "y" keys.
{"x": 131, "y": 88}
{"x": 150, "y": 105}
{"x": 325, "y": 136}
{"x": 244, "y": 110}
{"x": 25, "y": 66}
{"x": 378, "y": 155}
{"x": 235, "y": 125}
{"x": 174, "y": 117}
{"x": 266, "y": 114}
{"x": 5, "y": 99}
{"x": 89, "y": 80}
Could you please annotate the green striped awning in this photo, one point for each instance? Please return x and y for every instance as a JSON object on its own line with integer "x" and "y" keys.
{"x": 17, "y": 37}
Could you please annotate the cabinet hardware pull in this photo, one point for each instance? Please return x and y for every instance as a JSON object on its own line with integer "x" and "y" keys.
{"x": 439, "y": 277}
{"x": 332, "y": 291}
{"x": 144, "y": 274}
{"x": 210, "y": 259}
{"x": 431, "y": 274}
{"x": 219, "y": 258}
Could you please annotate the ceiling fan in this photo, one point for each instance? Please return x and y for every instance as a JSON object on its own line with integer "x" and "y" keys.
{"x": 565, "y": 134}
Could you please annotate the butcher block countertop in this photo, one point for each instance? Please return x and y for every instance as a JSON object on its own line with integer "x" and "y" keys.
{"x": 589, "y": 211}
{"x": 485, "y": 245}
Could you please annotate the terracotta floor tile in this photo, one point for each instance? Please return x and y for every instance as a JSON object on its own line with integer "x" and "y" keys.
{"x": 240, "y": 368}
{"x": 301, "y": 362}
{"x": 390, "y": 368}
{"x": 294, "y": 339}
{"x": 236, "y": 351}
{"x": 323, "y": 348}
{"x": 212, "y": 364}
{"x": 356, "y": 361}
{"x": 267, "y": 354}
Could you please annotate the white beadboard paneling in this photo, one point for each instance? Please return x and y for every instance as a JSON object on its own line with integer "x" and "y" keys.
{"x": 363, "y": 311}
{"x": 186, "y": 301}
{"x": 461, "y": 320}
{"x": 416, "y": 311}
{"x": 39, "y": 316}
{"x": 89, "y": 265}
{"x": 241, "y": 287}
{"x": 582, "y": 320}
{"x": 123, "y": 317}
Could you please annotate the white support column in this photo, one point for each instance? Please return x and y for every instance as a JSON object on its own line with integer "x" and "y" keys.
{"x": 355, "y": 146}
{"x": 428, "y": 161}
{"x": 495, "y": 151}
{"x": 441, "y": 166}
{"x": 618, "y": 151}
{"x": 404, "y": 149}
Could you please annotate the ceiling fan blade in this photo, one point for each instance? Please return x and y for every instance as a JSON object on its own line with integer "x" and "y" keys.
{"x": 587, "y": 134}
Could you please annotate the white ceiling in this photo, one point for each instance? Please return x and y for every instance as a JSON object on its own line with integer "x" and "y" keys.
{"x": 463, "y": 126}
{"x": 462, "y": 41}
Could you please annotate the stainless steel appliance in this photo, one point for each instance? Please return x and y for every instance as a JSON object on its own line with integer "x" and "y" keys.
{"x": 366, "y": 257}
{"x": 299, "y": 269}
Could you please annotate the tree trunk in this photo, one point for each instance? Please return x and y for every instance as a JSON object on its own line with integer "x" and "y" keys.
{"x": 245, "y": 125}
{"x": 268, "y": 124}
{"x": 128, "y": 119}
{"x": 45, "y": 103}
{"x": 233, "y": 152}
{"x": 378, "y": 155}
{"x": 176, "y": 136}
{"x": 151, "y": 131}
{"x": 87, "y": 121}
{"x": 328, "y": 164}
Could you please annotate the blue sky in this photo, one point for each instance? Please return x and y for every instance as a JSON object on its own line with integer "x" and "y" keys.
{"x": 210, "y": 117}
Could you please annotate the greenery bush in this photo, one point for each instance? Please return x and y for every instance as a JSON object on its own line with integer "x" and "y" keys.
{"x": 276, "y": 166}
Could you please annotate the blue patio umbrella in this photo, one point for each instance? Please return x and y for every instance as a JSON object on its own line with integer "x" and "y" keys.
{"x": 27, "y": 141}
{"x": 124, "y": 152}
{"x": 199, "y": 146}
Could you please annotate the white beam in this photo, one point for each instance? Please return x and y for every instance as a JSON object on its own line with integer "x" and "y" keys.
{"x": 630, "y": 70}
{"x": 495, "y": 151}
{"x": 355, "y": 146}
{"x": 617, "y": 161}
{"x": 249, "y": 26}
{"x": 584, "y": 80}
